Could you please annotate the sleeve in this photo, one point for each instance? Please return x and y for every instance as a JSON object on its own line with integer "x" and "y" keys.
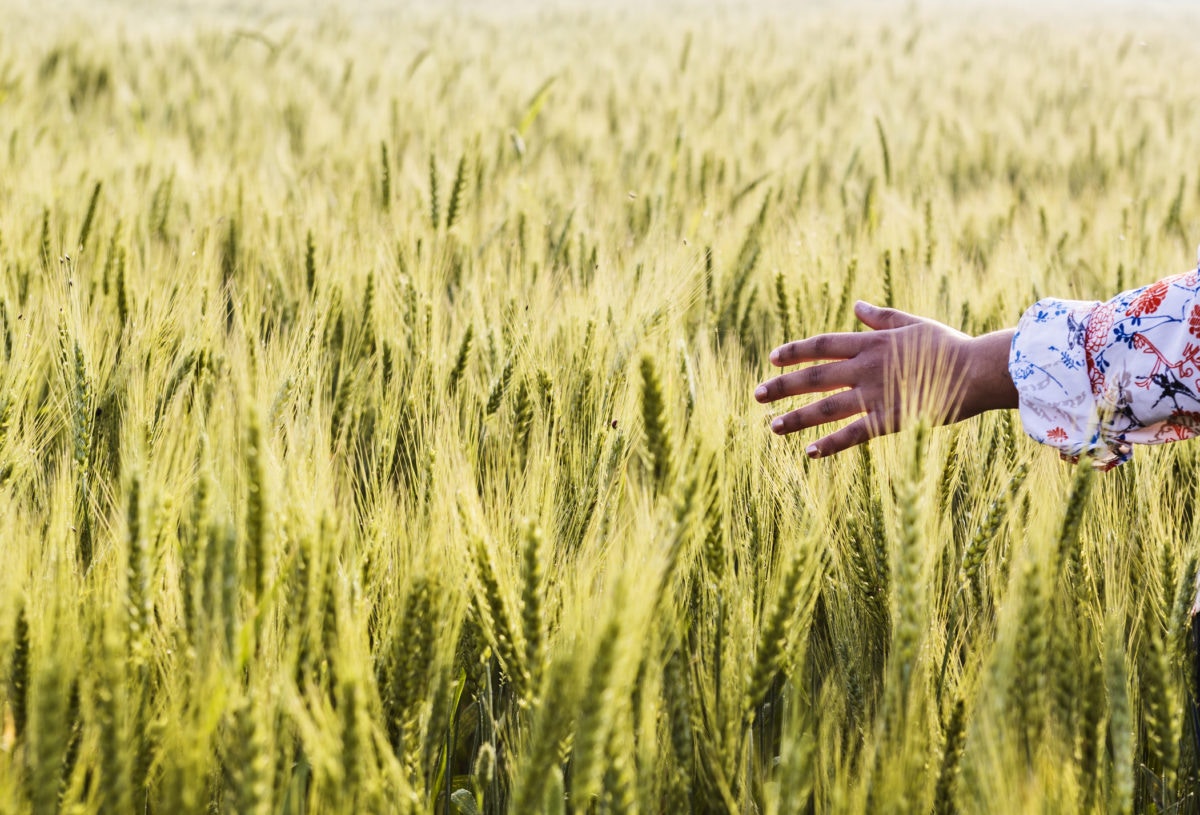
{"x": 1095, "y": 378}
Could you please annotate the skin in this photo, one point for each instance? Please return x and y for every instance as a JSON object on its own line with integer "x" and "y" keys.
{"x": 875, "y": 372}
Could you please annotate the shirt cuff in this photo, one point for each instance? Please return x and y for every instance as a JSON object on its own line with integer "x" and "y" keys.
{"x": 1048, "y": 362}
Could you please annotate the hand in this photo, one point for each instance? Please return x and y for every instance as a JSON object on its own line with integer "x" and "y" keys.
{"x": 908, "y": 366}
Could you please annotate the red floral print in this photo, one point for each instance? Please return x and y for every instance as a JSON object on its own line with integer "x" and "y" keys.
{"x": 1180, "y": 425}
{"x": 1098, "y": 327}
{"x": 1095, "y": 339}
{"x": 1148, "y": 301}
{"x": 1185, "y": 420}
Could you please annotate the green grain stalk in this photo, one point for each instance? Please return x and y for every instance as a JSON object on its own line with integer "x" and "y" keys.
{"x": 538, "y": 779}
{"x": 908, "y": 599}
{"x": 848, "y": 282}
{"x": 1120, "y": 724}
{"x": 952, "y": 753}
{"x": 499, "y": 388}
{"x": 930, "y": 237}
{"x": 677, "y": 704}
{"x": 654, "y": 421}
{"x": 410, "y": 653}
{"x": 889, "y": 287}
{"x": 522, "y": 423}
{"x": 310, "y": 263}
{"x": 532, "y": 603}
{"x": 249, "y": 761}
{"x": 385, "y": 178}
{"x": 454, "y": 208}
{"x": 258, "y": 554}
{"x": 594, "y": 723}
{"x": 782, "y": 312}
{"x": 498, "y": 621}
{"x": 139, "y": 603}
{"x": 774, "y": 638}
{"x": 461, "y": 359}
{"x": 18, "y": 674}
{"x": 1180, "y": 622}
{"x": 85, "y": 230}
{"x": 121, "y": 286}
{"x": 883, "y": 149}
{"x": 47, "y": 255}
{"x": 434, "y": 205}
{"x": 1068, "y": 552}
{"x": 115, "y": 783}
{"x": 1027, "y": 693}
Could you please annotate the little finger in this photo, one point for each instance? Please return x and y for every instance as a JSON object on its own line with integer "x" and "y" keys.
{"x": 841, "y": 405}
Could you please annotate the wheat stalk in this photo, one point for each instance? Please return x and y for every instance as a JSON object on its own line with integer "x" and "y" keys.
{"x": 654, "y": 420}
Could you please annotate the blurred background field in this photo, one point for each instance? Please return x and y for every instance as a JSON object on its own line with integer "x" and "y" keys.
{"x": 376, "y": 429}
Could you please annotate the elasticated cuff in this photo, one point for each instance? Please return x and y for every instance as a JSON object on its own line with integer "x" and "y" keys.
{"x": 1049, "y": 367}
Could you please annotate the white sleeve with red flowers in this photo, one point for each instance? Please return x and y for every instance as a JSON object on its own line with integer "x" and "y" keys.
{"x": 1094, "y": 378}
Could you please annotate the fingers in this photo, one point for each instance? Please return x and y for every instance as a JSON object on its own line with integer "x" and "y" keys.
{"x": 833, "y": 408}
{"x": 883, "y": 318}
{"x": 822, "y": 346}
{"x": 861, "y": 363}
{"x": 815, "y": 379}
{"x": 846, "y": 344}
{"x": 855, "y": 433}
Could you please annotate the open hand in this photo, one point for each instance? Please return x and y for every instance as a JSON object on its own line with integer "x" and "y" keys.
{"x": 908, "y": 366}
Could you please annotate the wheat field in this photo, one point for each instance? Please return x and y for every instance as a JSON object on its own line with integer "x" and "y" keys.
{"x": 376, "y": 430}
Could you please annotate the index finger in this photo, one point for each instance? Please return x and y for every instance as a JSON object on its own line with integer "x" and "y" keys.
{"x": 822, "y": 346}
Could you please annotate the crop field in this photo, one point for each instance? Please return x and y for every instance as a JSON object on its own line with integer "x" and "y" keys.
{"x": 377, "y": 430}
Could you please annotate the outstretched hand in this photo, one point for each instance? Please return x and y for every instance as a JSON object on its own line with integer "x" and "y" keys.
{"x": 906, "y": 366}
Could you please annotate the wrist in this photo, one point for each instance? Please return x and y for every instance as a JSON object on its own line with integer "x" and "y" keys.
{"x": 986, "y": 382}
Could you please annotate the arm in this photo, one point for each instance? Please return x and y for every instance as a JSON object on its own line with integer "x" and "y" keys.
{"x": 1090, "y": 378}
{"x": 908, "y": 364}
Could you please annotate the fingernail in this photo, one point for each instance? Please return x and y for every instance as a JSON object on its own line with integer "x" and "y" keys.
{"x": 777, "y": 425}
{"x": 775, "y": 356}
{"x": 761, "y": 392}
{"x": 812, "y": 451}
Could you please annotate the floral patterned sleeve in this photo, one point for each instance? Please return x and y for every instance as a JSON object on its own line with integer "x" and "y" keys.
{"x": 1094, "y": 378}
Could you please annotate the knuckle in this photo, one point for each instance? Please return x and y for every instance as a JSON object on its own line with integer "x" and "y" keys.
{"x": 861, "y": 432}
{"x": 827, "y": 408}
{"x": 820, "y": 345}
{"x": 812, "y": 377}
{"x": 882, "y": 424}
{"x": 891, "y": 318}
{"x": 895, "y": 420}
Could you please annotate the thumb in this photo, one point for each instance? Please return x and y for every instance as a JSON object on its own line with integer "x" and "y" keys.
{"x": 882, "y": 318}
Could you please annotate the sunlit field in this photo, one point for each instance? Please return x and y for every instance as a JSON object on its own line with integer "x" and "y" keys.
{"x": 377, "y": 431}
